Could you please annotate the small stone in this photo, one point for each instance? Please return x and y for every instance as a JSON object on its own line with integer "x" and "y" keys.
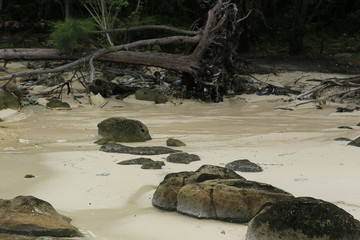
{"x": 57, "y": 104}
{"x": 136, "y": 161}
{"x": 345, "y": 127}
{"x": 119, "y": 148}
{"x": 244, "y": 165}
{"x": 174, "y": 142}
{"x": 29, "y": 176}
{"x": 184, "y": 158}
{"x": 153, "y": 165}
{"x": 343, "y": 139}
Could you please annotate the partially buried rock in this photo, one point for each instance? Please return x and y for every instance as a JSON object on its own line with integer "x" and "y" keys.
{"x": 119, "y": 148}
{"x": 233, "y": 200}
{"x": 244, "y": 165}
{"x": 153, "y": 165}
{"x": 174, "y": 143}
{"x": 136, "y": 161}
{"x": 184, "y": 158}
{"x": 27, "y": 215}
{"x": 165, "y": 196}
{"x": 57, "y": 104}
{"x": 303, "y": 218}
{"x": 123, "y": 130}
{"x": 345, "y": 127}
{"x": 343, "y": 139}
{"x": 355, "y": 142}
{"x": 153, "y": 95}
{"x": 8, "y": 100}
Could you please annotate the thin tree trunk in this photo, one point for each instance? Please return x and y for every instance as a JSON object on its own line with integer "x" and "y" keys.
{"x": 67, "y": 9}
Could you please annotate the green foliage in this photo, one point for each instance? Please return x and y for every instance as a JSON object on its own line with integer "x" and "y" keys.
{"x": 72, "y": 35}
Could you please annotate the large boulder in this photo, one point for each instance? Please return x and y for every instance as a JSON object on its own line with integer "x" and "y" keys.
{"x": 124, "y": 130}
{"x": 27, "y": 215}
{"x": 303, "y": 218}
{"x": 233, "y": 200}
{"x": 154, "y": 150}
{"x": 165, "y": 196}
{"x": 9, "y": 100}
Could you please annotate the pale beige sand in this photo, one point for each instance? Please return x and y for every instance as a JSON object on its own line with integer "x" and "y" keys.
{"x": 295, "y": 148}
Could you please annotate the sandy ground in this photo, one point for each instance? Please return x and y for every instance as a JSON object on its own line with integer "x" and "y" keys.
{"x": 107, "y": 201}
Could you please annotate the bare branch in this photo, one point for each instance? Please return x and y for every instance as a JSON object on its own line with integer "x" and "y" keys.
{"x": 150, "y": 27}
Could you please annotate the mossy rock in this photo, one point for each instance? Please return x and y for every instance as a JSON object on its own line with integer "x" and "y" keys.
{"x": 232, "y": 200}
{"x": 165, "y": 196}
{"x": 172, "y": 142}
{"x": 244, "y": 165}
{"x": 153, "y": 95}
{"x": 57, "y": 104}
{"x": 153, "y": 165}
{"x": 8, "y": 100}
{"x": 184, "y": 158}
{"x": 124, "y": 130}
{"x": 27, "y": 215}
{"x": 303, "y": 218}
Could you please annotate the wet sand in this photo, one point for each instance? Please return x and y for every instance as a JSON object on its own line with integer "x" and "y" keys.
{"x": 296, "y": 149}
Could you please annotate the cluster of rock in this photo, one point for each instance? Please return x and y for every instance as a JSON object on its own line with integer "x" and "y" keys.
{"x": 25, "y": 217}
{"x": 214, "y": 192}
{"x": 119, "y": 129}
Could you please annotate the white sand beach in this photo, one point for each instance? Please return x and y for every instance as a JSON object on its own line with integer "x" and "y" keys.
{"x": 107, "y": 201}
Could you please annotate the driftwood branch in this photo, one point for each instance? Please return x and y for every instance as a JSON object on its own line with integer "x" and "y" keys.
{"x": 53, "y": 54}
{"x": 350, "y": 82}
{"x": 148, "y": 28}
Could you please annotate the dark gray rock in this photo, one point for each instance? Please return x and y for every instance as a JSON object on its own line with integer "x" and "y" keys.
{"x": 57, "y": 104}
{"x": 355, "y": 142}
{"x": 174, "y": 143}
{"x": 165, "y": 196}
{"x": 211, "y": 172}
{"x": 244, "y": 165}
{"x": 184, "y": 158}
{"x": 153, "y": 95}
{"x": 345, "y": 127}
{"x": 233, "y": 200}
{"x": 343, "y": 139}
{"x": 27, "y": 215}
{"x": 303, "y": 218}
{"x": 153, "y": 165}
{"x": 123, "y": 130}
{"x": 119, "y": 148}
{"x": 136, "y": 161}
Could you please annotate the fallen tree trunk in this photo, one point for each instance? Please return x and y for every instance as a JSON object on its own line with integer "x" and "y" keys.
{"x": 195, "y": 63}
